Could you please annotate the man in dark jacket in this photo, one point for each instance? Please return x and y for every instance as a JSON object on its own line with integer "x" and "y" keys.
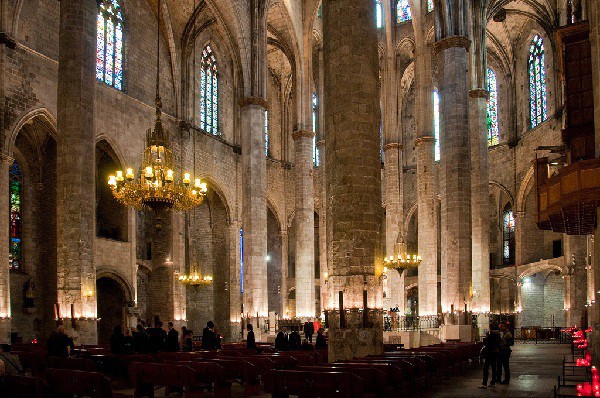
{"x": 506, "y": 342}
{"x": 281, "y": 341}
{"x": 59, "y": 344}
{"x": 321, "y": 344}
{"x": 209, "y": 339}
{"x": 491, "y": 345}
{"x": 250, "y": 342}
{"x": 309, "y": 330}
{"x": 140, "y": 340}
{"x": 172, "y": 343}
{"x": 156, "y": 337}
{"x": 295, "y": 340}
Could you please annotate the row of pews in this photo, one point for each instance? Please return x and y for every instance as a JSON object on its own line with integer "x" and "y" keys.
{"x": 95, "y": 372}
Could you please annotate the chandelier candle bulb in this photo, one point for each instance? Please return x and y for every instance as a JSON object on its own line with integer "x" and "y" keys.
{"x": 197, "y": 183}
{"x": 149, "y": 172}
{"x": 112, "y": 181}
{"x": 169, "y": 177}
{"x": 129, "y": 175}
{"x": 120, "y": 176}
{"x": 186, "y": 179}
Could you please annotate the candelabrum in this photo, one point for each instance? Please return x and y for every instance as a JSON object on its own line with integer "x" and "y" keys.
{"x": 402, "y": 260}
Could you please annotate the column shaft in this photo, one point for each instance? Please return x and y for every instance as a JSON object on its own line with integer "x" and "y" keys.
{"x": 354, "y": 214}
{"x": 75, "y": 164}
{"x": 5, "y": 311}
{"x": 305, "y": 224}
{"x": 393, "y": 219}
{"x": 480, "y": 202}
{"x": 455, "y": 176}
{"x": 427, "y": 238}
{"x": 254, "y": 207}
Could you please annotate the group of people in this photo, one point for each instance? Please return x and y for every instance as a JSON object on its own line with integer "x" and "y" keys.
{"x": 496, "y": 354}
{"x": 293, "y": 341}
{"x": 144, "y": 339}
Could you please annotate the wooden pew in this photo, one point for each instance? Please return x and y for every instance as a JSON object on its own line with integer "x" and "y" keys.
{"x": 147, "y": 375}
{"x": 212, "y": 375}
{"x": 68, "y": 382}
{"x": 23, "y": 387}
{"x": 83, "y": 364}
{"x": 375, "y": 380}
{"x": 240, "y": 371}
{"x": 306, "y": 384}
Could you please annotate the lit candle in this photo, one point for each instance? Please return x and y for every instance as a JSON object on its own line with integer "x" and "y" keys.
{"x": 203, "y": 187}
{"x": 120, "y": 176}
{"x": 197, "y": 183}
{"x": 129, "y": 174}
{"x": 149, "y": 172}
{"x": 169, "y": 177}
{"x": 112, "y": 181}
{"x": 186, "y": 179}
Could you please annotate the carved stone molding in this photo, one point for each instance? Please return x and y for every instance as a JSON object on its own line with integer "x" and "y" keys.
{"x": 450, "y": 42}
{"x": 302, "y": 134}
{"x": 428, "y": 139}
{"x": 479, "y": 93}
{"x": 253, "y": 101}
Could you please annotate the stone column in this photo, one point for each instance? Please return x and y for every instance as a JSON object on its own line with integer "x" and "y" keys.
{"x": 480, "y": 192}
{"x": 234, "y": 280}
{"x": 75, "y": 167}
{"x": 5, "y": 311}
{"x": 353, "y": 177}
{"x": 284, "y": 272}
{"x": 455, "y": 172}
{"x": 427, "y": 238}
{"x": 575, "y": 256}
{"x": 305, "y": 224}
{"x": 393, "y": 220}
{"x": 254, "y": 206}
{"x": 161, "y": 297}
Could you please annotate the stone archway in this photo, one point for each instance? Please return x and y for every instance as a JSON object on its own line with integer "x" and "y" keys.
{"x": 111, "y": 306}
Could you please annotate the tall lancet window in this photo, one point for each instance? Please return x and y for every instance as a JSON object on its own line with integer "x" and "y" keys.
{"x": 429, "y": 5}
{"x": 378, "y": 14}
{"x": 314, "y": 123}
{"x": 537, "y": 82}
{"x": 209, "y": 92}
{"x": 109, "y": 44}
{"x": 492, "y": 109}
{"x": 16, "y": 220}
{"x": 403, "y": 10}
{"x": 508, "y": 236}
{"x": 436, "y": 124}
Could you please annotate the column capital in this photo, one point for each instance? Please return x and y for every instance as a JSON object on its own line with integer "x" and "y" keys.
{"x": 298, "y": 134}
{"x": 6, "y": 159}
{"x": 479, "y": 93}
{"x": 393, "y": 145}
{"x": 258, "y": 101}
{"x": 450, "y": 42}
{"x": 426, "y": 139}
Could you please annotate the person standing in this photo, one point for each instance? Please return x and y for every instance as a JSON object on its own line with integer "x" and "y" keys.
{"x": 321, "y": 344}
{"x": 208, "y": 337}
{"x": 117, "y": 340}
{"x": 250, "y": 342}
{"x": 506, "y": 341}
{"x": 59, "y": 344}
{"x": 140, "y": 340}
{"x": 281, "y": 341}
{"x": 309, "y": 330}
{"x": 491, "y": 348}
{"x": 172, "y": 343}
{"x": 187, "y": 344}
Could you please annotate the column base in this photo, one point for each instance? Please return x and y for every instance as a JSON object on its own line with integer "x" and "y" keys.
{"x": 483, "y": 324}
{"x": 83, "y": 331}
{"x": 5, "y": 329}
{"x": 462, "y": 333}
{"x": 356, "y": 339}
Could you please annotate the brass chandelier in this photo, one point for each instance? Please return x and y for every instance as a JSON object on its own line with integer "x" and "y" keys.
{"x": 155, "y": 187}
{"x": 402, "y": 260}
{"x": 194, "y": 277}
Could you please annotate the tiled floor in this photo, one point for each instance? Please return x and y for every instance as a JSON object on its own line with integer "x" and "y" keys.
{"x": 534, "y": 369}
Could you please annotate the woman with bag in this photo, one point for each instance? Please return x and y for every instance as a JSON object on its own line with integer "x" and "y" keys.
{"x": 491, "y": 348}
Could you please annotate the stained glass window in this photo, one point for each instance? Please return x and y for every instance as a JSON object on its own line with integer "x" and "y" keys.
{"x": 241, "y": 260}
{"x": 436, "y": 124}
{"x": 209, "y": 92}
{"x": 492, "y": 109}
{"x": 378, "y": 14}
{"x": 429, "y": 5}
{"x": 109, "y": 44}
{"x": 403, "y": 9}
{"x": 16, "y": 221}
{"x": 508, "y": 236}
{"x": 266, "y": 133}
{"x": 314, "y": 122}
{"x": 537, "y": 82}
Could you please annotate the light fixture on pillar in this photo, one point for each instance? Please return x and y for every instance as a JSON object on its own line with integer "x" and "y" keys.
{"x": 402, "y": 260}
{"x": 155, "y": 187}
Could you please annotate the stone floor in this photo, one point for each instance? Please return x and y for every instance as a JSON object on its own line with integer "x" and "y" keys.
{"x": 534, "y": 369}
